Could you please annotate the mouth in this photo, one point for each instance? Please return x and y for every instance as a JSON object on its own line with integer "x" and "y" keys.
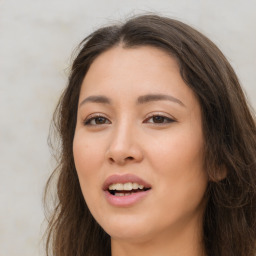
{"x": 126, "y": 189}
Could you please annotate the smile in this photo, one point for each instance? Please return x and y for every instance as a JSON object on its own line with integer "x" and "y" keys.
{"x": 126, "y": 189}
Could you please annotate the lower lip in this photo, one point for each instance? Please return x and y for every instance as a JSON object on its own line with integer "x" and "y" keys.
{"x": 125, "y": 201}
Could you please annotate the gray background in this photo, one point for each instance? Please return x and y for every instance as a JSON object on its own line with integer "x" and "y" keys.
{"x": 36, "y": 42}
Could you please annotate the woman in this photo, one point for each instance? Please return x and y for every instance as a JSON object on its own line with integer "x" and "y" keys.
{"x": 157, "y": 147}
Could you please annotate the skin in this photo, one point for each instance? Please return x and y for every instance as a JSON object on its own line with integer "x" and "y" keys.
{"x": 166, "y": 151}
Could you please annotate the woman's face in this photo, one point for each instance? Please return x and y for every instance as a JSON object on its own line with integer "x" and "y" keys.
{"x": 138, "y": 145}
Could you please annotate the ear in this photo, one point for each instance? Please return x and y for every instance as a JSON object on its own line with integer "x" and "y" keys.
{"x": 218, "y": 174}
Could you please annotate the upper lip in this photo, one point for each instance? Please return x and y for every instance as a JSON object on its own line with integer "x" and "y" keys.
{"x": 125, "y": 178}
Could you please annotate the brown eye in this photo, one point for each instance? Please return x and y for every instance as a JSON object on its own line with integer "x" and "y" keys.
{"x": 158, "y": 119}
{"x": 98, "y": 120}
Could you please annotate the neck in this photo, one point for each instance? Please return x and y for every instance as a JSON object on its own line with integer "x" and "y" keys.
{"x": 186, "y": 241}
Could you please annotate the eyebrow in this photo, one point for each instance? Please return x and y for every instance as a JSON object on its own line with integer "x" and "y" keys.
{"x": 157, "y": 97}
{"x": 96, "y": 99}
{"x": 141, "y": 99}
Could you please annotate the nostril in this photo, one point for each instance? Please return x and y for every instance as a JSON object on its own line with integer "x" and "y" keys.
{"x": 111, "y": 160}
{"x": 120, "y": 161}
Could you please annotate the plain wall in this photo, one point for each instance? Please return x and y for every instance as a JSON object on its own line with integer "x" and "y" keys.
{"x": 36, "y": 42}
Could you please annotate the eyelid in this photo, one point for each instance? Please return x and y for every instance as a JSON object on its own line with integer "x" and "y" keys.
{"x": 170, "y": 118}
{"x": 93, "y": 116}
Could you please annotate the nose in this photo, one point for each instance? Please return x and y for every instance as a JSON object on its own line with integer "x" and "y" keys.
{"x": 124, "y": 146}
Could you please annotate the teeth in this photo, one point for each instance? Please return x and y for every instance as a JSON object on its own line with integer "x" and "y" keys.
{"x": 126, "y": 186}
{"x": 119, "y": 194}
{"x": 135, "y": 185}
{"x": 123, "y": 194}
{"x": 117, "y": 186}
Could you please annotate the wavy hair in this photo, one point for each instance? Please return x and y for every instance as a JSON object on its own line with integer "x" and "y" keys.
{"x": 229, "y": 223}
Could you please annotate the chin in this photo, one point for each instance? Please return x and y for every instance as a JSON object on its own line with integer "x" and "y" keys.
{"x": 128, "y": 229}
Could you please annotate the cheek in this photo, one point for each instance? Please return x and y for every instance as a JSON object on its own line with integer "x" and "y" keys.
{"x": 176, "y": 149}
{"x": 87, "y": 158}
{"x": 87, "y": 153}
{"x": 178, "y": 164}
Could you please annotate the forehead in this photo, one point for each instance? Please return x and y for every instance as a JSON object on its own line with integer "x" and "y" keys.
{"x": 146, "y": 58}
{"x": 125, "y": 72}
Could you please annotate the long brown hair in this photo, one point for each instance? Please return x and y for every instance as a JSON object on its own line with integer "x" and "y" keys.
{"x": 229, "y": 132}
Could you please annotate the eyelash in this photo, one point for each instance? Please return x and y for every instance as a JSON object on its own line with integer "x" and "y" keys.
{"x": 93, "y": 118}
{"x": 165, "y": 120}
